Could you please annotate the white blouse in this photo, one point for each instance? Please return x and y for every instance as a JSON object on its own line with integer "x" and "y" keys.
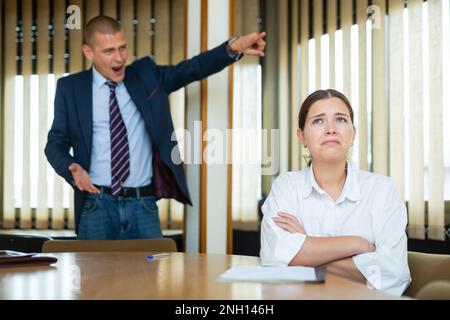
{"x": 369, "y": 206}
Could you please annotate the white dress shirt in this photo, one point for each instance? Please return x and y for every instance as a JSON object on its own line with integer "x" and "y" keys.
{"x": 369, "y": 206}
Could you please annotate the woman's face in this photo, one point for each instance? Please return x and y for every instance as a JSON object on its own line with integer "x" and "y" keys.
{"x": 329, "y": 132}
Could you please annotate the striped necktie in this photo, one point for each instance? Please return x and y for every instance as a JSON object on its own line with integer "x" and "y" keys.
{"x": 120, "y": 152}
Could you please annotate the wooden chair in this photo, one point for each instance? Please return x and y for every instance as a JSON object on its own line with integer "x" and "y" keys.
{"x": 430, "y": 275}
{"x": 23, "y": 242}
{"x": 137, "y": 245}
{"x": 436, "y": 290}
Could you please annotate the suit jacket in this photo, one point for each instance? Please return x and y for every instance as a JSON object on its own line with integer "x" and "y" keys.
{"x": 149, "y": 86}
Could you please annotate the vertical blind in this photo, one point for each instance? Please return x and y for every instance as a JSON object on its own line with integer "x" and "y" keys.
{"x": 246, "y": 139}
{"x": 37, "y": 50}
{"x": 2, "y": 114}
{"x": 387, "y": 57}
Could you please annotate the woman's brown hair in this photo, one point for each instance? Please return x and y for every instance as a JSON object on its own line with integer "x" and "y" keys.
{"x": 320, "y": 95}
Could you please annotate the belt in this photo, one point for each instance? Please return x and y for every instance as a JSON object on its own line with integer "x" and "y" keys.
{"x": 131, "y": 192}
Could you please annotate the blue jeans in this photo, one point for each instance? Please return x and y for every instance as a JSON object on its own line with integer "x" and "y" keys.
{"x": 105, "y": 217}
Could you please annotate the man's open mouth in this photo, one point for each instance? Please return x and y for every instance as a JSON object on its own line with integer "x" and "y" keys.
{"x": 117, "y": 70}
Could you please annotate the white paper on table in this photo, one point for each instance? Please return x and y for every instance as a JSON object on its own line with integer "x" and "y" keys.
{"x": 273, "y": 274}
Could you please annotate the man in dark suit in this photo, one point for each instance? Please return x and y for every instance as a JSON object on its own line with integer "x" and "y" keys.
{"x": 117, "y": 120}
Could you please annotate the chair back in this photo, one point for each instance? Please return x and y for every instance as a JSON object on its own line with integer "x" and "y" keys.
{"x": 23, "y": 243}
{"x": 426, "y": 268}
{"x": 135, "y": 245}
{"x": 436, "y": 290}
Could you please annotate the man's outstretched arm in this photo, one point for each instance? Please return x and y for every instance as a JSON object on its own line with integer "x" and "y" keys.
{"x": 210, "y": 62}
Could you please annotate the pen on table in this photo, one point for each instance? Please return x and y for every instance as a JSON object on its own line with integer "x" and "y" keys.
{"x": 157, "y": 255}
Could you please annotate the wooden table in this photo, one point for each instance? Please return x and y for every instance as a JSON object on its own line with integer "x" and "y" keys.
{"x": 178, "y": 276}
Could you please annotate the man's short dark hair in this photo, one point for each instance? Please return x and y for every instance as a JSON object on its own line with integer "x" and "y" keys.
{"x": 101, "y": 24}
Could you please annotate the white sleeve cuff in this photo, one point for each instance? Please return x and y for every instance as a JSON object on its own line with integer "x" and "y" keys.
{"x": 382, "y": 273}
{"x": 288, "y": 246}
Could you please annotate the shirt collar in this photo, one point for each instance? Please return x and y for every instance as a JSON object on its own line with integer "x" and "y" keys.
{"x": 99, "y": 79}
{"x": 351, "y": 188}
{"x": 310, "y": 183}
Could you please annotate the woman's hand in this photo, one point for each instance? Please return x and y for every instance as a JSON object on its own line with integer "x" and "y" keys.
{"x": 289, "y": 223}
{"x": 364, "y": 246}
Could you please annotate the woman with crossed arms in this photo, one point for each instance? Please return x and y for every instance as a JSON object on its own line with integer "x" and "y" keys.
{"x": 332, "y": 214}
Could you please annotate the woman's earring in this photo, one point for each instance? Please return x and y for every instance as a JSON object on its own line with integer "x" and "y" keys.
{"x": 307, "y": 155}
{"x": 350, "y": 154}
